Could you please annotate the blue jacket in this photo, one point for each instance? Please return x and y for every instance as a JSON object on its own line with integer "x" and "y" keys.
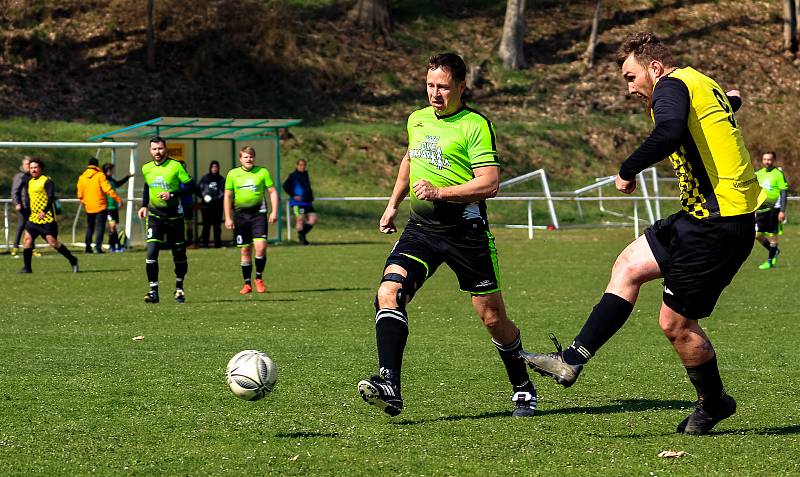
{"x": 298, "y": 183}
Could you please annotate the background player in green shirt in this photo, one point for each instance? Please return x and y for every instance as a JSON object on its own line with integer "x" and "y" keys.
{"x": 770, "y": 217}
{"x": 450, "y": 168}
{"x": 161, "y": 206}
{"x": 245, "y": 214}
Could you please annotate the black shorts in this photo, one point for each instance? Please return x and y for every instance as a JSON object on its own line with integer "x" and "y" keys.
{"x": 249, "y": 227}
{"x": 188, "y": 213}
{"x": 699, "y": 258}
{"x": 469, "y": 251}
{"x": 113, "y": 215}
{"x": 303, "y": 209}
{"x": 767, "y": 222}
{"x": 165, "y": 230}
{"x": 42, "y": 230}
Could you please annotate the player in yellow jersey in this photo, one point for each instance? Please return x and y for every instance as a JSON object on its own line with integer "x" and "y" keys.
{"x": 40, "y": 196}
{"x": 698, "y": 250}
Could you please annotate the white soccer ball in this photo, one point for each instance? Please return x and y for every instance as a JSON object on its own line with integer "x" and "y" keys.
{"x": 207, "y": 198}
{"x": 251, "y": 374}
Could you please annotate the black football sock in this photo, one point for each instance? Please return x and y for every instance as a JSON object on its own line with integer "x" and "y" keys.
{"x": 391, "y": 334}
{"x": 773, "y": 250}
{"x": 64, "y": 251}
{"x": 765, "y": 244}
{"x": 515, "y": 367}
{"x": 113, "y": 240}
{"x": 151, "y": 267}
{"x": 27, "y": 256}
{"x": 261, "y": 263}
{"x": 706, "y": 381}
{"x": 307, "y": 228}
{"x": 247, "y": 272}
{"x": 606, "y": 318}
{"x": 180, "y": 273}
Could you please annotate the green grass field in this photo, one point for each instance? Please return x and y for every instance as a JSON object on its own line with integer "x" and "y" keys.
{"x": 79, "y": 396}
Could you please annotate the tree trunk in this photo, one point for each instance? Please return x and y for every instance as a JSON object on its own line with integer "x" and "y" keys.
{"x": 151, "y": 40}
{"x": 372, "y": 15}
{"x": 790, "y": 25}
{"x": 511, "y": 46}
{"x": 589, "y": 57}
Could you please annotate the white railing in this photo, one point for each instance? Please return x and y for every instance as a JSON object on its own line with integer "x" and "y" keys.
{"x": 529, "y": 226}
{"x": 542, "y": 175}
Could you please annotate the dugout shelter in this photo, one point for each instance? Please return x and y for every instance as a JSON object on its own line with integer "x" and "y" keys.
{"x": 198, "y": 141}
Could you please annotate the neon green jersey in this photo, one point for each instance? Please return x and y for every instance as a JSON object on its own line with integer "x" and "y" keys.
{"x": 165, "y": 177}
{"x": 248, "y": 187}
{"x": 774, "y": 182}
{"x": 444, "y": 151}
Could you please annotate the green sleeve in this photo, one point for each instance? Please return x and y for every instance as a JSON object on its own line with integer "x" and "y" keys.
{"x": 268, "y": 179}
{"x": 183, "y": 176}
{"x": 481, "y": 145}
{"x": 229, "y": 181}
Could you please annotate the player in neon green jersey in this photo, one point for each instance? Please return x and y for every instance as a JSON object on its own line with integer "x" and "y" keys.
{"x": 450, "y": 168}
{"x": 244, "y": 213}
{"x": 772, "y": 214}
{"x": 161, "y": 207}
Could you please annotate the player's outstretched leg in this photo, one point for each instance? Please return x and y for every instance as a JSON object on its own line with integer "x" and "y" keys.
{"x": 554, "y": 364}
{"x": 634, "y": 266}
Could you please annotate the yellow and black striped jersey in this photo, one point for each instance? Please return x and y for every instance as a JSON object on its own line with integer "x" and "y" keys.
{"x": 695, "y": 126}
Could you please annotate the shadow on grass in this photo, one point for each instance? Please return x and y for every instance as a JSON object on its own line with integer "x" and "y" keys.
{"x": 303, "y": 290}
{"x": 103, "y": 270}
{"x": 764, "y": 431}
{"x": 459, "y": 417}
{"x": 622, "y": 405}
{"x": 243, "y": 300}
{"x": 305, "y": 435}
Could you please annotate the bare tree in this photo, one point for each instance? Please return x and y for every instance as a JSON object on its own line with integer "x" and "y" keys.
{"x": 372, "y": 15}
{"x": 790, "y": 25}
{"x": 589, "y": 56}
{"x": 511, "y": 45}
{"x": 151, "y": 39}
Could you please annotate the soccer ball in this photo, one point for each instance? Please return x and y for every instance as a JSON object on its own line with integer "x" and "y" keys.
{"x": 251, "y": 375}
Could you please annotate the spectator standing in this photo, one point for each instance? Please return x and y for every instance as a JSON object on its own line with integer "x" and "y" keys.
{"x": 20, "y": 205}
{"x": 212, "y": 193}
{"x": 93, "y": 187}
{"x": 298, "y": 186}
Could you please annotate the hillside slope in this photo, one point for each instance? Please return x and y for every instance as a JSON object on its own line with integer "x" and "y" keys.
{"x": 84, "y": 61}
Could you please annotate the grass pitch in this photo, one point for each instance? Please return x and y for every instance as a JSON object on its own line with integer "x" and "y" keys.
{"x": 80, "y": 396}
